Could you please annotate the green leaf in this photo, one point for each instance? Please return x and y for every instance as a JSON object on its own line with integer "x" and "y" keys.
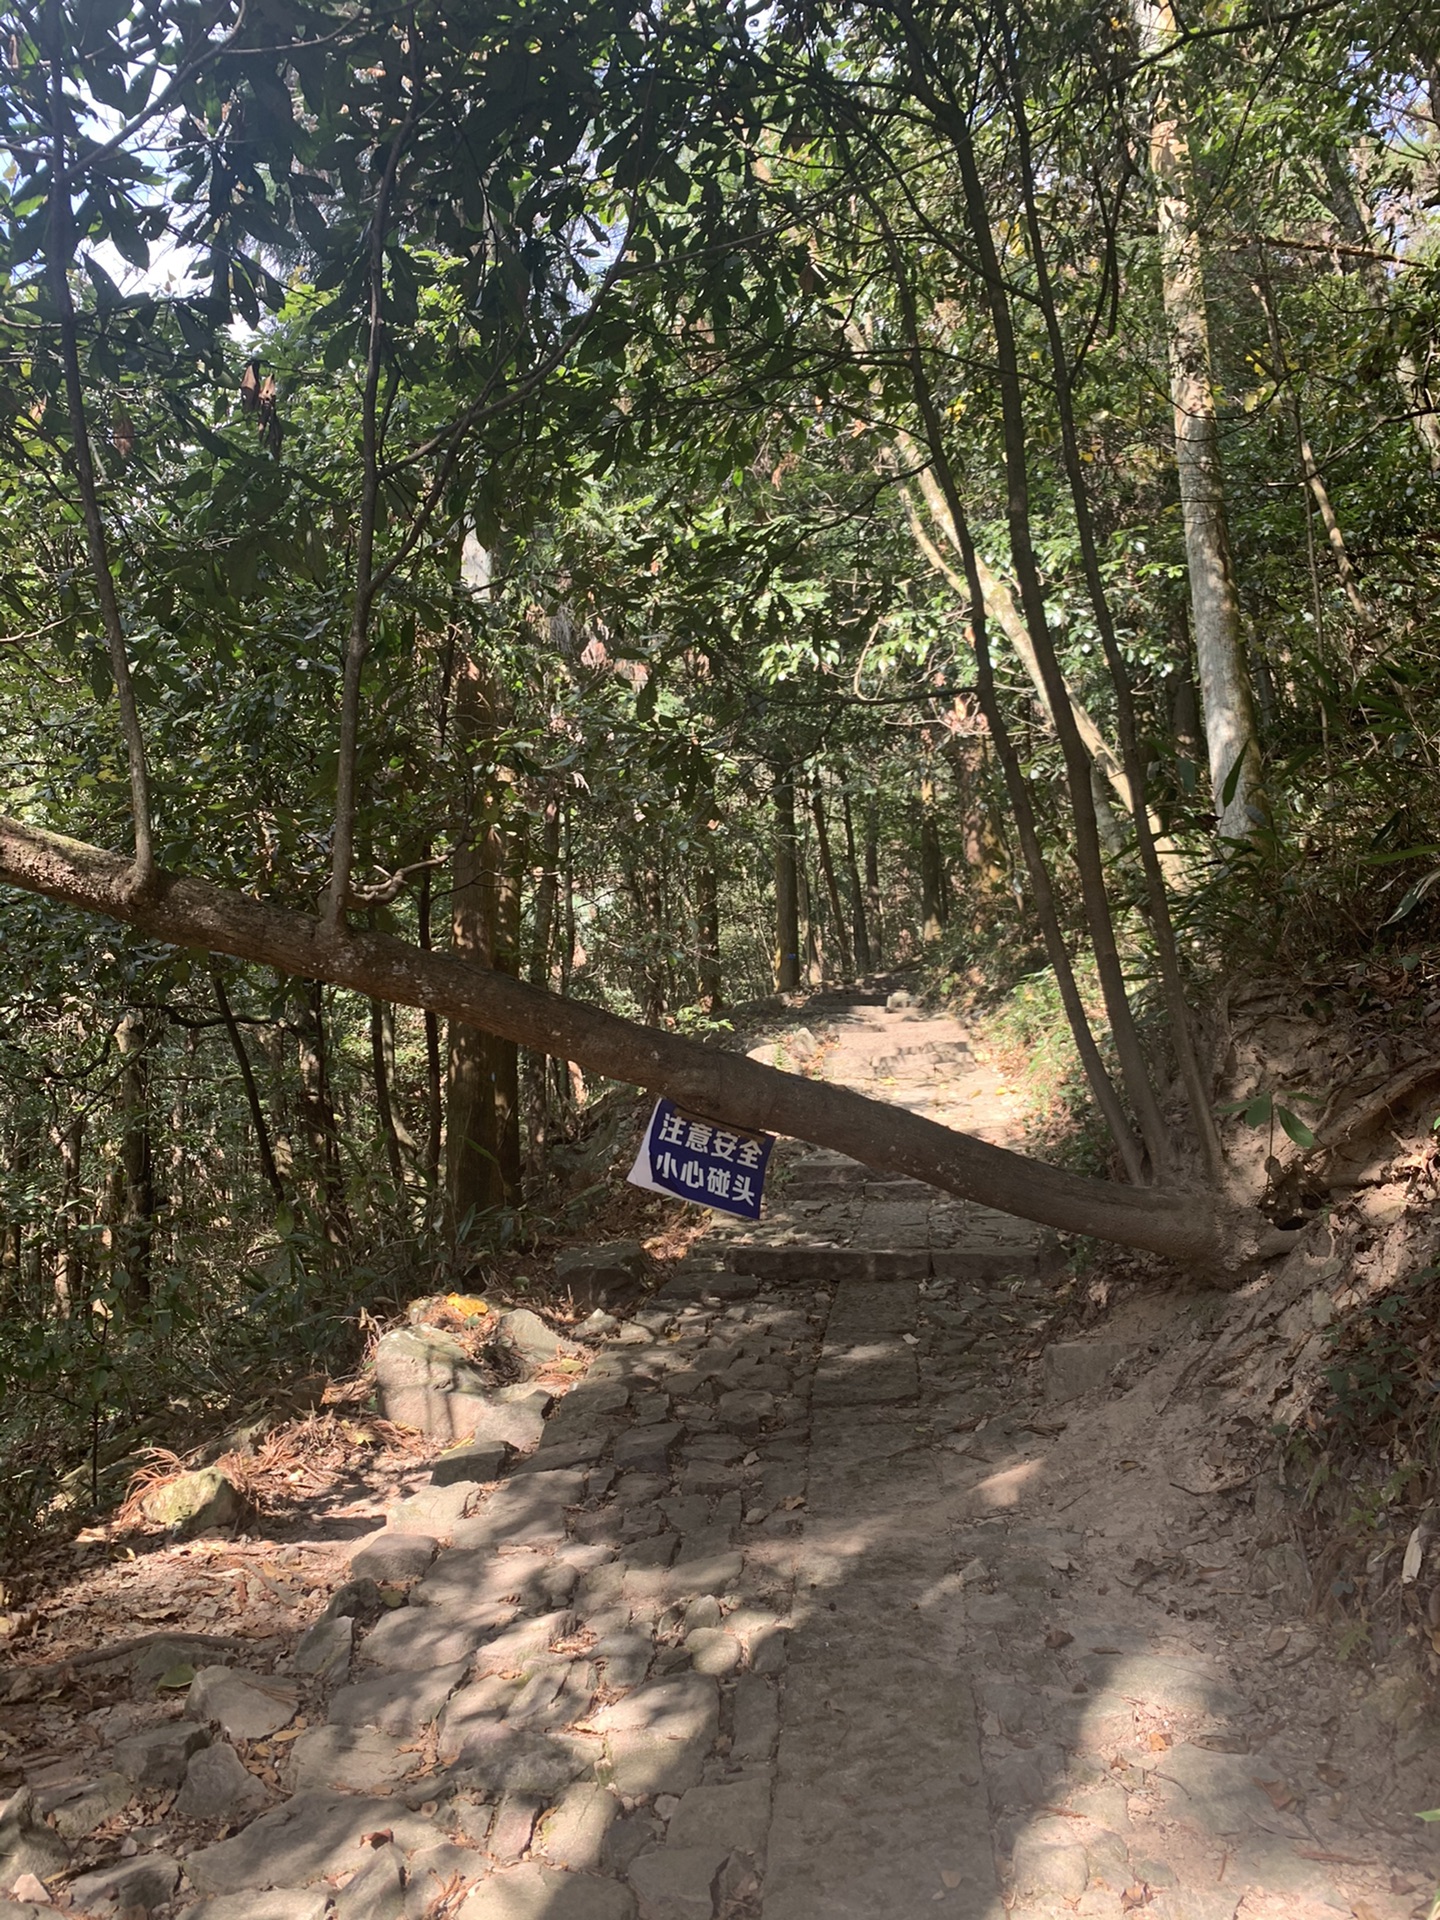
{"x": 1232, "y": 779}
{"x": 1414, "y": 895}
{"x": 1295, "y": 1127}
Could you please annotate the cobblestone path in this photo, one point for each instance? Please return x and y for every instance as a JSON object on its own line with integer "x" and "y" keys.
{"x": 819, "y": 1599}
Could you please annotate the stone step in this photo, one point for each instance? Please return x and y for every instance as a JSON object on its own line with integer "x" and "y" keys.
{"x": 821, "y": 1261}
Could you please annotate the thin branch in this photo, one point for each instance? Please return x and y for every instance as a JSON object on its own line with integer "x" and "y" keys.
{"x": 61, "y": 250}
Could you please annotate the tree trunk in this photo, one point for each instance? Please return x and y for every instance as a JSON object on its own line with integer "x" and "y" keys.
{"x": 247, "y": 1080}
{"x": 547, "y": 889}
{"x": 832, "y": 888}
{"x": 1311, "y": 477}
{"x": 135, "y": 1228}
{"x": 434, "y": 1071}
{"x": 1089, "y": 865}
{"x": 727, "y": 1087}
{"x": 707, "y": 926}
{"x": 872, "y": 886}
{"x": 70, "y": 1269}
{"x": 384, "y": 1109}
{"x": 787, "y": 884}
{"x": 863, "y": 960}
{"x": 1225, "y": 694}
{"x": 482, "y": 1134}
{"x": 317, "y": 1109}
{"x": 932, "y": 868}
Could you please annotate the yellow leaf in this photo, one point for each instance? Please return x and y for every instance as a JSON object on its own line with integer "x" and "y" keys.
{"x": 467, "y": 1305}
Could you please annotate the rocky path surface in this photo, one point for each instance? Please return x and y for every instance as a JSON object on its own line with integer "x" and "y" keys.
{"x": 836, "y": 1588}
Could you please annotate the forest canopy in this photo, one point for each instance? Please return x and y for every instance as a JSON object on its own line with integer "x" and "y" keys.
{"x": 530, "y": 525}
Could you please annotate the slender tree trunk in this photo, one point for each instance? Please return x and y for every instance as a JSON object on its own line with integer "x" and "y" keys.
{"x": 1230, "y": 732}
{"x": 547, "y": 894}
{"x": 873, "y": 905}
{"x": 434, "y": 1070}
{"x": 136, "y": 1225}
{"x": 70, "y": 1268}
{"x": 863, "y": 960}
{"x": 832, "y": 888}
{"x": 787, "y": 884}
{"x": 547, "y": 891}
{"x": 932, "y": 867}
{"x": 317, "y": 1110}
{"x": 1173, "y": 985}
{"x": 1000, "y": 608}
{"x": 60, "y": 261}
{"x": 707, "y": 922}
{"x": 813, "y": 942}
{"x": 247, "y": 1079}
{"x": 384, "y": 1109}
{"x": 1311, "y": 476}
{"x": 1101, "y": 1085}
{"x": 1088, "y": 861}
{"x": 482, "y": 1138}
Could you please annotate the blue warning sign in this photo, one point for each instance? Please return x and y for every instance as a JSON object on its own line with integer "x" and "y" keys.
{"x": 697, "y": 1160}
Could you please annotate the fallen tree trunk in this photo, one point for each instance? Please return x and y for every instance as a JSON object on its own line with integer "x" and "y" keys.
{"x": 723, "y": 1086}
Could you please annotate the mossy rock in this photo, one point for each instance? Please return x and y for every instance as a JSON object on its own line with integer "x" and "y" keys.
{"x": 193, "y": 1501}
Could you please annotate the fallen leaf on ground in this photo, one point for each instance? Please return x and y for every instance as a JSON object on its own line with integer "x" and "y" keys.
{"x": 1276, "y": 1792}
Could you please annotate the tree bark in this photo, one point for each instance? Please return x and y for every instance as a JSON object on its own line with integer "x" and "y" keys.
{"x": 725, "y": 1086}
{"x": 1226, "y": 699}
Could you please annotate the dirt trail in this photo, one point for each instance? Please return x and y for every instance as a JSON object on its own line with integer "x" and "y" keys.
{"x": 846, "y": 1583}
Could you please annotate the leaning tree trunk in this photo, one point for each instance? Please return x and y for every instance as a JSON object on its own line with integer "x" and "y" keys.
{"x": 728, "y": 1088}
{"x": 1225, "y": 693}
